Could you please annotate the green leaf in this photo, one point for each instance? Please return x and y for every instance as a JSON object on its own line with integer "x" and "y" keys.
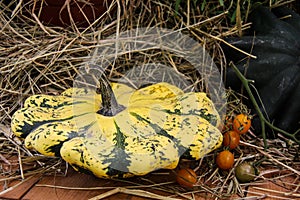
{"x": 221, "y": 2}
{"x": 177, "y": 6}
{"x": 203, "y": 5}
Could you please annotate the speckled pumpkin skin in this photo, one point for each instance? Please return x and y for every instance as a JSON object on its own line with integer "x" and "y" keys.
{"x": 159, "y": 125}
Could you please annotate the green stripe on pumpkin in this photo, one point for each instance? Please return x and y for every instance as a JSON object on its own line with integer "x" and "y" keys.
{"x": 119, "y": 160}
{"x": 162, "y": 132}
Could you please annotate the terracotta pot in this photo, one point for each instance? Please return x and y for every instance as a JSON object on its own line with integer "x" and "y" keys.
{"x": 55, "y": 12}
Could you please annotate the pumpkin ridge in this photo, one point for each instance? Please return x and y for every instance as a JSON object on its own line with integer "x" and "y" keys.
{"x": 48, "y": 138}
{"x": 157, "y": 129}
{"x": 48, "y": 101}
{"x": 211, "y": 118}
{"x": 56, "y": 148}
{"x": 160, "y": 131}
{"x": 46, "y": 98}
{"x": 22, "y": 130}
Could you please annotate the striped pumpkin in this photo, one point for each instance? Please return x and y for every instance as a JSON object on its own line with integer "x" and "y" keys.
{"x": 153, "y": 128}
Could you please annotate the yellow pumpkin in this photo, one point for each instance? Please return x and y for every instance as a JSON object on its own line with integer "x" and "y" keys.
{"x": 136, "y": 132}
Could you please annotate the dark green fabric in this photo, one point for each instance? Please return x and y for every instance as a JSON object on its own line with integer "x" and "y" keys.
{"x": 276, "y": 71}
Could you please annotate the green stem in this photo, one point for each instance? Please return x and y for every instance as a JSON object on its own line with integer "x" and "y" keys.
{"x": 262, "y": 118}
{"x": 110, "y": 106}
{"x": 245, "y": 83}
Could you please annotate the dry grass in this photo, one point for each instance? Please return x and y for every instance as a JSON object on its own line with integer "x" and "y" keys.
{"x": 35, "y": 58}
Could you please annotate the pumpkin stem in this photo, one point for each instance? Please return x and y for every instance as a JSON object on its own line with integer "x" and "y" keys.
{"x": 110, "y": 106}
